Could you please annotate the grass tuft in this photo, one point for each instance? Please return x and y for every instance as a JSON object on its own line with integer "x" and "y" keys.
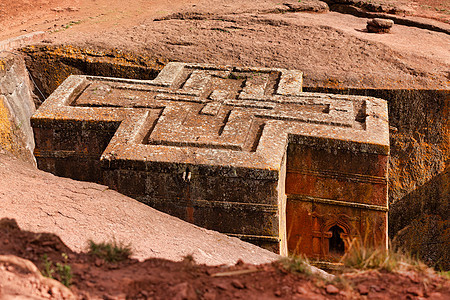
{"x": 364, "y": 258}
{"x": 47, "y": 269}
{"x": 110, "y": 251}
{"x": 445, "y": 274}
{"x": 297, "y": 264}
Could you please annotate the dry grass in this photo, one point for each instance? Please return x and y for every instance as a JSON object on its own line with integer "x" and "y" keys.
{"x": 297, "y": 264}
{"x": 361, "y": 257}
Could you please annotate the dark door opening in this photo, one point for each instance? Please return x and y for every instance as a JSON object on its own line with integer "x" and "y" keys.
{"x": 336, "y": 245}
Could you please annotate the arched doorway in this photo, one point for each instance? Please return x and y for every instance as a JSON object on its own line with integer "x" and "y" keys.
{"x": 336, "y": 246}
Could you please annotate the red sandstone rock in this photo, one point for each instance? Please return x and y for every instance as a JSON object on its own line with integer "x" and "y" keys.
{"x": 415, "y": 291}
{"x": 308, "y": 5}
{"x": 379, "y": 25}
{"x": 332, "y": 290}
{"x": 238, "y": 284}
{"x": 363, "y": 289}
{"x": 382, "y": 23}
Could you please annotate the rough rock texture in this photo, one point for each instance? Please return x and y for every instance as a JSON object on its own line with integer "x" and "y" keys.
{"x": 21, "y": 279}
{"x": 20, "y": 41}
{"x": 405, "y": 14}
{"x": 16, "y": 107}
{"x": 375, "y": 29}
{"x": 78, "y": 211}
{"x": 386, "y": 6}
{"x": 307, "y": 5}
{"x": 383, "y": 23}
{"x": 379, "y": 25}
{"x": 418, "y": 176}
{"x": 421, "y": 222}
{"x": 50, "y": 66}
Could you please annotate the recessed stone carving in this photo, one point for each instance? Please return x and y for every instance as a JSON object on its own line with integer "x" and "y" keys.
{"x": 240, "y": 150}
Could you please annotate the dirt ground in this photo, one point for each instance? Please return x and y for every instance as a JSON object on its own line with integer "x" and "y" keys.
{"x": 95, "y": 278}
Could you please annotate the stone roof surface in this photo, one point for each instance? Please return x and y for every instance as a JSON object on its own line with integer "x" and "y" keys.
{"x": 216, "y": 115}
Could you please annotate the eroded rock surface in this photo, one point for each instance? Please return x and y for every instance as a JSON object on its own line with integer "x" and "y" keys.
{"x": 78, "y": 211}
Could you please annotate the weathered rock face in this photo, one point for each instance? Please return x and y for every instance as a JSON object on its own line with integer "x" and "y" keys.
{"x": 421, "y": 221}
{"x": 16, "y": 107}
{"x": 390, "y": 7}
{"x": 383, "y": 23}
{"x": 51, "y": 65}
{"x": 419, "y": 175}
{"x": 208, "y": 144}
{"x": 307, "y": 5}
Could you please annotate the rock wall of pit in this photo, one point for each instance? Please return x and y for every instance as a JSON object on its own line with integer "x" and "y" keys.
{"x": 16, "y": 107}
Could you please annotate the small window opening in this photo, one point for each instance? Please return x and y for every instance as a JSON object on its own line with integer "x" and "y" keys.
{"x": 337, "y": 245}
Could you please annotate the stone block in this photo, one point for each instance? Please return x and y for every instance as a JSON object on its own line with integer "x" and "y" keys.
{"x": 239, "y": 150}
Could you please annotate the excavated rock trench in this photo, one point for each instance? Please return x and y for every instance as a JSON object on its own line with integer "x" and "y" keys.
{"x": 418, "y": 178}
